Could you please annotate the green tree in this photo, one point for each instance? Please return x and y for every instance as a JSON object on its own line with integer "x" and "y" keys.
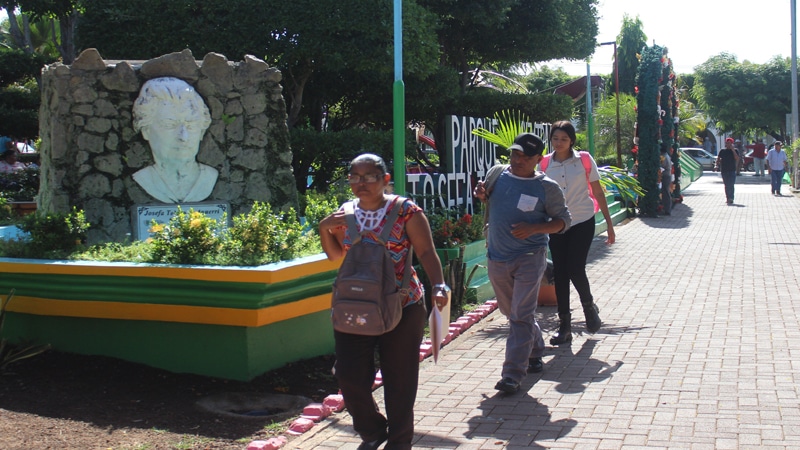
{"x": 480, "y": 35}
{"x": 630, "y": 42}
{"x": 743, "y": 97}
{"x": 605, "y": 125}
{"x": 37, "y": 36}
{"x": 19, "y": 93}
{"x": 327, "y": 50}
{"x": 546, "y": 79}
{"x": 63, "y": 13}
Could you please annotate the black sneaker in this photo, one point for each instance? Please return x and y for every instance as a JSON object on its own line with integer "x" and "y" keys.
{"x": 507, "y": 385}
{"x": 373, "y": 445}
{"x": 535, "y": 365}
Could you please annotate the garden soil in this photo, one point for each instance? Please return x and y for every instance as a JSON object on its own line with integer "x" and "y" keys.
{"x": 66, "y": 401}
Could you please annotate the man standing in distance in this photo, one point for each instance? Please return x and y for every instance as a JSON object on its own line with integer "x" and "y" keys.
{"x": 727, "y": 162}
{"x": 173, "y": 118}
{"x": 524, "y": 206}
{"x": 777, "y": 161}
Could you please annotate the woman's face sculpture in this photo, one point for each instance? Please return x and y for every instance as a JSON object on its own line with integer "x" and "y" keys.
{"x": 175, "y": 132}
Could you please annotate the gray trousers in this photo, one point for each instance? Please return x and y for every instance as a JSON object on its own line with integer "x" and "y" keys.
{"x": 516, "y": 285}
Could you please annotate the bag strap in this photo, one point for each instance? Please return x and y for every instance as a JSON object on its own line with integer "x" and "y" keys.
{"x": 384, "y": 237}
{"x": 587, "y": 167}
{"x": 391, "y": 219}
{"x": 545, "y": 162}
{"x": 355, "y": 236}
{"x": 350, "y": 218}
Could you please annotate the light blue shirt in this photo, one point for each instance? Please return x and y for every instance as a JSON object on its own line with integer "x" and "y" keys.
{"x": 513, "y": 200}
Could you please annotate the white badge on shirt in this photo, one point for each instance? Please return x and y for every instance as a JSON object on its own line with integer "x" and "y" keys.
{"x": 527, "y": 203}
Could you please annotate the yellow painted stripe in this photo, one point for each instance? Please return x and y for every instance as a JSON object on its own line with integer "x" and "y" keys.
{"x": 269, "y": 274}
{"x": 170, "y": 313}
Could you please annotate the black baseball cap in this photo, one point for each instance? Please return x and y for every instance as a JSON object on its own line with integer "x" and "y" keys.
{"x": 528, "y": 143}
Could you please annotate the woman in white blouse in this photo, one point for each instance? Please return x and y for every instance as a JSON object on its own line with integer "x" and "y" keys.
{"x": 576, "y": 173}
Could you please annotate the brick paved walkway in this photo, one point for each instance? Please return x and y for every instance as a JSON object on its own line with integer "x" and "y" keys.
{"x": 700, "y": 346}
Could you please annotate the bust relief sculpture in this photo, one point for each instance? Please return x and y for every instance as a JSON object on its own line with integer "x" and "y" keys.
{"x": 173, "y": 118}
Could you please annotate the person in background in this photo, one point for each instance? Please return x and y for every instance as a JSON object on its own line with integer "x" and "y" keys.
{"x": 666, "y": 182}
{"x": 398, "y": 349}
{"x": 8, "y": 159}
{"x": 570, "y": 249}
{"x": 777, "y": 161}
{"x": 727, "y": 162}
{"x": 524, "y": 207}
{"x": 759, "y": 153}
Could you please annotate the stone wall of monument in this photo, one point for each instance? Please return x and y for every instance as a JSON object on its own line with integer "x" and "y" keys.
{"x": 89, "y": 148}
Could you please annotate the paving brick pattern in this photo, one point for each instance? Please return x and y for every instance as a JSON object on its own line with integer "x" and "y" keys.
{"x": 700, "y": 346}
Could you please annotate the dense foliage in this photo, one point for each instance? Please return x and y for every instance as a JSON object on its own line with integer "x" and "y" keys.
{"x": 605, "y": 126}
{"x": 19, "y": 93}
{"x": 744, "y": 97}
{"x": 630, "y": 43}
{"x": 20, "y": 186}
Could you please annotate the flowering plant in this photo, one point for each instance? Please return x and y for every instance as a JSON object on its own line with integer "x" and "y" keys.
{"x": 451, "y": 228}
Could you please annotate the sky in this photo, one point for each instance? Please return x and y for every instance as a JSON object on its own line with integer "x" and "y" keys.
{"x": 693, "y": 31}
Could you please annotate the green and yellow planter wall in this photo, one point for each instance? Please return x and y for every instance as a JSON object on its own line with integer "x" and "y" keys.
{"x": 227, "y": 322}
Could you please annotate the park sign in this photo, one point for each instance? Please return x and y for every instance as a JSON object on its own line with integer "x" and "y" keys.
{"x": 469, "y": 158}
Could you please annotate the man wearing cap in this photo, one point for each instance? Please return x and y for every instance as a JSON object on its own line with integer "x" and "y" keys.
{"x": 777, "y": 161}
{"x": 526, "y": 206}
{"x": 727, "y": 161}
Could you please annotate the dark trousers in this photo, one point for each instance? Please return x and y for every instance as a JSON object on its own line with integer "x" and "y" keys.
{"x": 398, "y": 351}
{"x": 776, "y": 178}
{"x": 569, "y": 252}
{"x": 666, "y": 197}
{"x": 729, "y": 179}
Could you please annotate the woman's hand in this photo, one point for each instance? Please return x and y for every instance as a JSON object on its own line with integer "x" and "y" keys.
{"x": 441, "y": 296}
{"x": 332, "y": 222}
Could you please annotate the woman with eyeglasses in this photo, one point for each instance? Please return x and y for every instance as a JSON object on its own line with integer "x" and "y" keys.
{"x": 397, "y": 349}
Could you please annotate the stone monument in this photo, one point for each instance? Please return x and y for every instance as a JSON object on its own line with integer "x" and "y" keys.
{"x": 106, "y": 148}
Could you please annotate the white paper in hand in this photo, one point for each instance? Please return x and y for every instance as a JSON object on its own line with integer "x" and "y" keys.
{"x": 439, "y": 328}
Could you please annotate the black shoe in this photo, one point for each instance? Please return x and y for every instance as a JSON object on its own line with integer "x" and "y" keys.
{"x": 592, "y": 317}
{"x": 373, "y": 445}
{"x": 563, "y": 335}
{"x": 507, "y": 385}
{"x": 535, "y": 365}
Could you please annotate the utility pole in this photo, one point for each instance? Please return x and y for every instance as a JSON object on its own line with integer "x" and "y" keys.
{"x": 795, "y": 150}
{"x": 399, "y": 104}
{"x": 589, "y": 121}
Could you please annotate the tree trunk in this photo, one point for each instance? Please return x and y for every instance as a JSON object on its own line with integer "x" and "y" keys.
{"x": 67, "y": 47}
{"x": 13, "y": 29}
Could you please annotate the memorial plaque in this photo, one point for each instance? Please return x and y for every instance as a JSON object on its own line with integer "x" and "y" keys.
{"x": 144, "y": 215}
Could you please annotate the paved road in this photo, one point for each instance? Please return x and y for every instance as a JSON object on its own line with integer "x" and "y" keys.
{"x": 700, "y": 346}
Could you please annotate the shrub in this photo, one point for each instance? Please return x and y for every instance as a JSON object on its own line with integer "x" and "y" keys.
{"x": 188, "y": 238}
{"x": 50, "y": 236}
{"x": 263, "y": 236}
{"x": 21, "y": 186}
{"x": 453, "y": 227}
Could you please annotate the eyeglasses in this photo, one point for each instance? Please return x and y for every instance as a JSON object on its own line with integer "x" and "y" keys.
{"x": 371, "y": 178}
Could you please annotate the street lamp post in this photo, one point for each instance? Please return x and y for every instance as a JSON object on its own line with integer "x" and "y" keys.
{"x": 399, "y": 105}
